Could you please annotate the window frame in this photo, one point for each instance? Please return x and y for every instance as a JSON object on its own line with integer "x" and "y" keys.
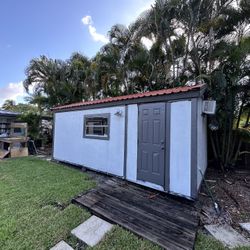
{"x": 103, "y": 115}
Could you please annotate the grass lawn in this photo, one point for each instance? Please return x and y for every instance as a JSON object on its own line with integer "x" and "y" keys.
{"x": 29, "y": 219}
{"x": 29, "y": 187}
{"x": 206, "y": 242}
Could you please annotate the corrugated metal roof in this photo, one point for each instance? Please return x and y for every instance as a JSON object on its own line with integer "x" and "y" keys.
{"x": 133, "y": 96}
{"x": 8, "y": 113}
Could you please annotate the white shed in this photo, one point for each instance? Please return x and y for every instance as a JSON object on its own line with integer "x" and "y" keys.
{"x": 156, "y": 139}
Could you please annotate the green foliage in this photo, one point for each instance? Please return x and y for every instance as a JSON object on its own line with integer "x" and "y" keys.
{"x": 191, "y": 40}
{"x": 33, "y": 121}
{"x": 20, "y": 108}
{"x": 230, "y": 87}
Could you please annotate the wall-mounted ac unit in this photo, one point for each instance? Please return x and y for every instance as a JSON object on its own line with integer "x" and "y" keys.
{"x": 209, "y": 107}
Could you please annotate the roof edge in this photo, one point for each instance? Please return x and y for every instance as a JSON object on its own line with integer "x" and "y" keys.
{"x": 152, "y": 96}
{"x": 8, "y": 113}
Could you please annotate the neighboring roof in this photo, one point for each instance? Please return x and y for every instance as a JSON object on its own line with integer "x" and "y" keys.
{"x": 8, "y": 113}
{"x": 131, "y": 97}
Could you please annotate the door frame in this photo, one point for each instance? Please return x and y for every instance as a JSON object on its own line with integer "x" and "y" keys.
{"x": 167, "y": 143}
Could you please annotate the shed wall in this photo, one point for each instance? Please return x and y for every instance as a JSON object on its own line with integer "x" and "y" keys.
{"x": 132, "y": 141}
{"x": 108, "y": 155}
{"x": 180, "y": 148}
{"x": 201, "y": 143}
{"x": 101, "y": 155}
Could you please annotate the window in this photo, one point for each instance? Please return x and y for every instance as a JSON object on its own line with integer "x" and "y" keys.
{"x": 97, "y": 126}
{"x": 18, "y": 131}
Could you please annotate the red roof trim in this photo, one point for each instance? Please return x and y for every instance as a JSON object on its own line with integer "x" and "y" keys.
{"x": 133, "y": 96}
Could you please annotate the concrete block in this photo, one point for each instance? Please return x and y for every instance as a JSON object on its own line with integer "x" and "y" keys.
{"x": 92, "y": 230}
{"x": 227, "y": 235}
{"x": 62, "y": 245}
{"x": 245, "y": 226}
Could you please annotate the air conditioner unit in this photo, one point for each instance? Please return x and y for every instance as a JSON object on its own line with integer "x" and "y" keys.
{"x": 209, "y": 107}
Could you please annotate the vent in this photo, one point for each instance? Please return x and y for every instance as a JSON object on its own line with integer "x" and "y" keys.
{"x": 209, "y": 107}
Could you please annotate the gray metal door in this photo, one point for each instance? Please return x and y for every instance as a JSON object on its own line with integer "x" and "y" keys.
{"x": 151, "y": 148}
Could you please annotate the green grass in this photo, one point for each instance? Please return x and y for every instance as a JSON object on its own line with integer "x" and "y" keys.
{"x": 29, "y": 187}
{"x": 122, "y": 239}
{"x": 29, "y": 219}
{"x": 206, "y": 242}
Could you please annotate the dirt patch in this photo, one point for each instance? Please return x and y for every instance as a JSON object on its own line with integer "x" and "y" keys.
{"x": 57, "y": 205}
{"x": 45, "y": 151}
{"x": 232, "y": 192}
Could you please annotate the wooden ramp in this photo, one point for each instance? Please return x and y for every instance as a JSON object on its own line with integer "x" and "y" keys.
{"x": 171, "y": 223}
{"x": 3, "y": 153}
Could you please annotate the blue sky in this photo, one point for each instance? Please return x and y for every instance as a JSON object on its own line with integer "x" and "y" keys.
{"x": 56, "y": 28}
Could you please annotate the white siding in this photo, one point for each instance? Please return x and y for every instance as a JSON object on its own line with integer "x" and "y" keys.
{"x": 180, "y": 148}
{"x": 201, "y": 143}
{"x": 132, "y": 138}
{"x": 102, "y": 155}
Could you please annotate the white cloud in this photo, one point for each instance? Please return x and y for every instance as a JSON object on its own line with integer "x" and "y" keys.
{"x": 87, "y": 20}
{"x": 97, "y": 37}
{"x": 147, "y": 42}
{"x": 127, "y": 17}
{"x": 13, "y": 91}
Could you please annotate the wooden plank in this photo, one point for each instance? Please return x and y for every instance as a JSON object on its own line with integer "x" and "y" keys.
{"x": 165, "y": 221}
{"x": 131, "y": 223}
{"x": 158, "y": 198}
{"x": 19, "y": 125}
{"x": 136, "y": 219}
{"x": 19, "y": 152}
{"x": 162, "y": 223}
{"x": 159, "y": 221}
{"x": 165, "y": 233}
{"x": 3, "y": 153}
{"x": 146, "y": 192}
{"x": 168, "y": 205}
{"x": 11, "y": 140}
{"x": 149, "y": 207}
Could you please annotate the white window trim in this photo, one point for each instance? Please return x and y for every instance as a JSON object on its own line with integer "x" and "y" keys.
{"x": 101, "y": 137}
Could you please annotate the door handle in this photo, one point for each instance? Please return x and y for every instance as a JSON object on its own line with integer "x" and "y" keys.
{"x": 162, "y": 144}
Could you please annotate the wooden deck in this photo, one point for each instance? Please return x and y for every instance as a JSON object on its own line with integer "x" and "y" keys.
{"x": 171, "y": 223}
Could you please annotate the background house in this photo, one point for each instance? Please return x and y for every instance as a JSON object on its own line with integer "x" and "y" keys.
{"x": 6, "y": 118}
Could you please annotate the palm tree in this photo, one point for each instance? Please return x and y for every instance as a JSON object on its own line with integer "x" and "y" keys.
{"x": 114, "y": 62}
{"x": 46, "y": 76}
{"x": 59, "y": 81}
{"x": 8, "y": 104}
{"x": 157, "y": 25}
